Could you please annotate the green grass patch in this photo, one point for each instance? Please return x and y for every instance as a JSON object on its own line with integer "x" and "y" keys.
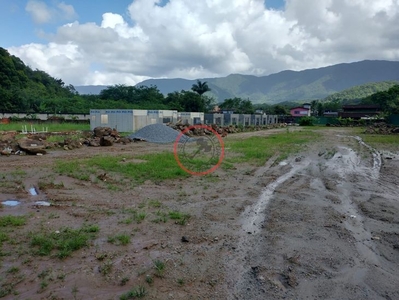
{"x": 157, "y": 167}
{"x": 73, "y": 169}
{"x": 138, "y": 292}
{"x": 376, "y": 140}
{"x": 17, "y": 126}
{"x": 179, "y": 217}
{"x": 257, "y": 150}
{"x": 12, "y": 221}
{"x": 120, "y": 239}
{"x": 64, "y": 241}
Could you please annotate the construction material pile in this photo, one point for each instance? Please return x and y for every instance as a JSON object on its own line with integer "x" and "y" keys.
{"x": 157, "y": 133}
{"x": 382, "y": 128}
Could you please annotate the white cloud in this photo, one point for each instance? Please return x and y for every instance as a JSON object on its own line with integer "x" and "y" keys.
{"x": 41, "y": 13}
{"x": 196, "y": 39}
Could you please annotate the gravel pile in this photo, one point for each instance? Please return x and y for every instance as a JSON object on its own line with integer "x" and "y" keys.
{"x": 158, "y": 133}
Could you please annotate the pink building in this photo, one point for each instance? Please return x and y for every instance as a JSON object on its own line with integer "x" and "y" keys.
{"x": 300, "y": 111}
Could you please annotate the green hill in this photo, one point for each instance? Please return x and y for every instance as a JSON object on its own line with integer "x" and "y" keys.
{"x": 23, "y": 89}
{"x": 356, "y": 93}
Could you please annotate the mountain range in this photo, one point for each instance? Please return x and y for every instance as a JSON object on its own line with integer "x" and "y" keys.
{"x": 287, "y": 85}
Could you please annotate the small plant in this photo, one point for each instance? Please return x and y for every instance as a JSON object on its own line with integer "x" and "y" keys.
{"x": 154, "y": 203}
{"x": 181, "y": 218}
{"x": 124, "y": 280}
{"x": 120, "y": 239}
{"x": 43, "y": 285}
{"x": 138, "y": 292}
{"x": 140, "y": 217}
{"x": 106, "y": 267}
{"x": 75, "y": 291}
{"x": 180, "y": 281}
{"x": 159, "y": 267}
{"x": 149, "y": 279}
{"x": 13, "y": 270}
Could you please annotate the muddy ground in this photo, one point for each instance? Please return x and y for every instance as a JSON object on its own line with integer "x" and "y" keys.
{"x": 323, "y": 224}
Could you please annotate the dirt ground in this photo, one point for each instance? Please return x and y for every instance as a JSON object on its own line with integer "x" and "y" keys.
{"x": 323, "y": 224}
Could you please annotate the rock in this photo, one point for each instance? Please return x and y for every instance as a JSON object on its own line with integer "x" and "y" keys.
{"x": 106, "y": 141}
{"x": 94, "y": 143}
{"x": 32, "y": 146}
{"x": 102, "y": 131}
{"x": 184, "y": 239}
{"x": 375, "y": 238}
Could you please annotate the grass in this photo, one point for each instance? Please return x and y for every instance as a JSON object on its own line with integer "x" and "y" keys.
{"x": 137, "y": 292}
{"x": 181, "y": 218}
{"x": 257, "y": 150}
{"x": 157, "y": 167}
{"x": 120, "y": 239}
{"x": 10, "y": 220}
{"x": 17, "y": 126}
{"x": 65, "y": 241}
{"x": 106, "y": 267}
{"x": 159, "y": 267}
{"x": 376, "y": 140}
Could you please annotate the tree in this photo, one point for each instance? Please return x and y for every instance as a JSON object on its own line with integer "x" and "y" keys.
{"x": 200, "y": 87}
{"x": 238, "y": 105}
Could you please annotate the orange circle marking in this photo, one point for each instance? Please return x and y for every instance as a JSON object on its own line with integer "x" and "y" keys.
{"x": 187, "y": 168}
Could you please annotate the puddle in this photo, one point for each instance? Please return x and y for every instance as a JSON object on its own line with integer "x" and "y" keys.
{"x": 33, "y": 191}
{"x": 42, "y": 203}
{"x": 11, "y": 202}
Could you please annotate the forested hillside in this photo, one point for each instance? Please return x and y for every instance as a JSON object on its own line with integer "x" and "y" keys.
{"x": 34, "y": 91}
{"x": 356, "y": 93}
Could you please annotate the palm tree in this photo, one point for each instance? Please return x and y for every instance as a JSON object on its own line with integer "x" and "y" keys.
{"x": 200, "y": 87}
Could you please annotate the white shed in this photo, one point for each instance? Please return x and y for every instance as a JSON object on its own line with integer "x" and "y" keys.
{"x": 162, "y": 116}
{"x": 123, "y": 120}
{"x": 191, "y": 118}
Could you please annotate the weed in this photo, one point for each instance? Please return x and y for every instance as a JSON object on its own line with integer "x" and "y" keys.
{"x": 106, "y": 267}
{"x": 127, "y": 221}
{"x": 138, "y": 292}
{"x": 140, "y": 217}
{"x": 12, "y": 221}
{"x": 124, "y": 280}
{"x": 75, "y": 291}
{"x": 154, "y": 203}
{"x": 149, "y": 279}
{"x": 13, "y": 270}
{"x": 181, "y": 218}
{"x": 43, "y": 285}
{"x": 121, "y": 239}
{"x": 180, "y": 281}
{"x": 3, "y": 237}
{"x": 159, "y": 267}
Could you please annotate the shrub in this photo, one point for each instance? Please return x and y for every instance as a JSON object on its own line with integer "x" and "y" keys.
{"x": 307, "y": 121}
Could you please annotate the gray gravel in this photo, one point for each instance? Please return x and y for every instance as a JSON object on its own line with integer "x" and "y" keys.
{"x": 158, "y": 133}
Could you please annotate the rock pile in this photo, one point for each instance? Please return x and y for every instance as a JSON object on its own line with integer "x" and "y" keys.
{"x": 382, "y": 128}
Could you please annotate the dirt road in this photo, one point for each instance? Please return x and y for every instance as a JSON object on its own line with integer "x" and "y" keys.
{"x": 323, "y": 224}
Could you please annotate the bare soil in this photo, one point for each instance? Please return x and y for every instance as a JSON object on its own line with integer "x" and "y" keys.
{"x": 324, "y": 224}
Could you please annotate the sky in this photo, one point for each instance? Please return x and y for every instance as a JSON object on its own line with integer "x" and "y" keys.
{"x": 107, "y": 42}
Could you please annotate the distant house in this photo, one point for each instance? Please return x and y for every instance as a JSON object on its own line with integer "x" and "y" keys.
{"x": 300, "y": 111}
{"x": 330, "y": 114}
{"x": 359, "y": 111}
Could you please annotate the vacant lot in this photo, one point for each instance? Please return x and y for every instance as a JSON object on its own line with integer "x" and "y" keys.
{"x": 291, "y": 214}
